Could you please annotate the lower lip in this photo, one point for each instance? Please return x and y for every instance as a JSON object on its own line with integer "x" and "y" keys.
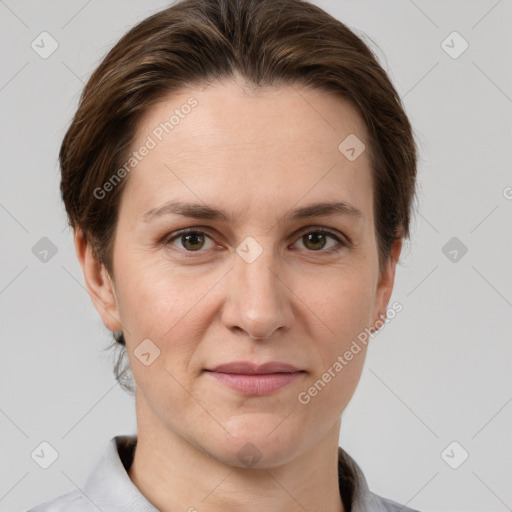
{"x": 256, "y": 385}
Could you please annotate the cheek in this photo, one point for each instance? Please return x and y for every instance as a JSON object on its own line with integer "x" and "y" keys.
{"x": 143, "y": 301}
{"x": 151, "y": 291}
{"x": 168, "y": 307}
{"x": 157, "y": 302}
{"x": 344, "y": 302}
{"x": 345, "y": 312}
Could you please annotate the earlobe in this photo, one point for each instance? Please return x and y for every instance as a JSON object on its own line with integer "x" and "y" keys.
{"x": 98, "y": 282}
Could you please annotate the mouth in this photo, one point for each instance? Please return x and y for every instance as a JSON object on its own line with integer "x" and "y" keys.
{"x": 256, "y": 380}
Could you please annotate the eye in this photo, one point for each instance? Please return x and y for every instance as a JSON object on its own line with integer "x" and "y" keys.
{"x": 317, "y": 241}
{"x": 195, "y": 240}
{"x": 191, "y": 240}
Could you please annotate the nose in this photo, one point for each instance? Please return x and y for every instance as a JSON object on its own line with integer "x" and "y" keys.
{"x": 257, "y": 300}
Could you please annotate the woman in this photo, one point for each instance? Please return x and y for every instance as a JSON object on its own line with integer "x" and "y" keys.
{"x": 239, "y": 177}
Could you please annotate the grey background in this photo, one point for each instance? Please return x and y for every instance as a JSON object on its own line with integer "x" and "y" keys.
{"x": 439, "y": 372}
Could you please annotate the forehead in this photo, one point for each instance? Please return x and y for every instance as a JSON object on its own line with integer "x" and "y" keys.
{"x": 275, "y": 146}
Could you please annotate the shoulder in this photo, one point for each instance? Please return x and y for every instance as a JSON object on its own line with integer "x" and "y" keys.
{"x": 354, "y": 486}
{"x": 387, "y": 505}
{"x": 73, "y": 501}
{"x": 107, "y": 485}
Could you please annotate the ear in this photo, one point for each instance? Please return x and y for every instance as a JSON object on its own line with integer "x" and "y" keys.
{"x": 386, "y": 283}
{"x": 98, "y": 282}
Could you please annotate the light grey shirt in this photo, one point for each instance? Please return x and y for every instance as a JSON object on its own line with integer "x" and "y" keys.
{"x": 108, "y": 487}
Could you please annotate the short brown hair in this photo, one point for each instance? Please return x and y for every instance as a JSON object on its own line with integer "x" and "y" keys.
{"x": 266, "y": 42}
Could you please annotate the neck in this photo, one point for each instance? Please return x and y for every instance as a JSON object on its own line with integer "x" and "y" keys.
{"x": 175, "y": 475}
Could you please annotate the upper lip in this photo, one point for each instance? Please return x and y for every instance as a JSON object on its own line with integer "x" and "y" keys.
{"x": 245, "y": 367}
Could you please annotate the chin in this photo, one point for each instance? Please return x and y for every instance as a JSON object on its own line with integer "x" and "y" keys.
{"x": 259, "y": 441}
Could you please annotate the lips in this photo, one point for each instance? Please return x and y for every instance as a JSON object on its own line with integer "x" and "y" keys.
{"x": 247, "y": 368}
{"x": 256, "y": 380}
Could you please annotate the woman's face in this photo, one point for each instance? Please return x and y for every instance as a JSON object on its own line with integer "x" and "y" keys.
{"x": 255, "y": 284}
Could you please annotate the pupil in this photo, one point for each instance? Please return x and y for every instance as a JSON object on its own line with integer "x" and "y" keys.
{"x": 195, "y": 237}
{"x": 313, "y": 236}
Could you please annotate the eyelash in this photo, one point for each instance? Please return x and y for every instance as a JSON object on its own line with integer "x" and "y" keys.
{"x": 197, "y": 230}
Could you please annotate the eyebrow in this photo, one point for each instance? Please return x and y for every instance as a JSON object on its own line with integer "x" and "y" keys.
{"x": 203, "y": 211}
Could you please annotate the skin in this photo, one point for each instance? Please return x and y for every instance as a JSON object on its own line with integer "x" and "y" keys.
{"x": 257, "y": 157}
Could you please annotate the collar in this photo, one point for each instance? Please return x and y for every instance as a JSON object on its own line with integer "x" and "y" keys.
{"x": 109, "y": 486}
